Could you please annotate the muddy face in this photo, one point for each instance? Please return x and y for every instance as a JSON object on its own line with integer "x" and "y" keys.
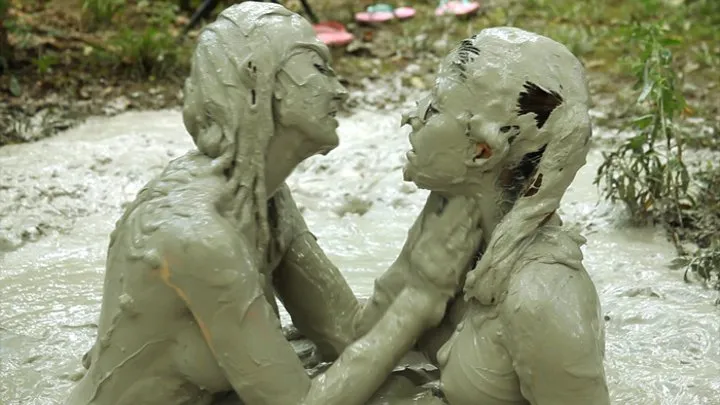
{"x": 453, "y": 149}
{"x": 308, "y": 98}
{"x": 493, "y": 103}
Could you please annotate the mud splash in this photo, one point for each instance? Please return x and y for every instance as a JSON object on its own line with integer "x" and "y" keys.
{"x": 59, "y": 199}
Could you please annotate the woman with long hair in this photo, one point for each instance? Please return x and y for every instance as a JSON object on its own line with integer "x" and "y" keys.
{"x": 507, "y": 122}
{"x": 194, "y": 264}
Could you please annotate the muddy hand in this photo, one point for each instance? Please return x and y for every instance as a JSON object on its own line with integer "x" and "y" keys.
{"x": 444, "y": 242}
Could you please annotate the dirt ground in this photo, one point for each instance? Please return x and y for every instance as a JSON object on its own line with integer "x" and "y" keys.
{"x": 64, "y": 68}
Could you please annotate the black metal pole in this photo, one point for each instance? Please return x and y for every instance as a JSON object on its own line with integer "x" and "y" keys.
{"x": 208, "y": 6}
{"x": 205, "y": 8}
{"x": 311, "y": 16}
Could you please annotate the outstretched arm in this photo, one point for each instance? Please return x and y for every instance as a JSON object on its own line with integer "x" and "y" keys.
{"x": 424, "y": 259}
{"x": 317, "y": 297}
{"x": 313, "y": 291}
{"x": 438, "y": 251}
{"x": 322, "y": 304}
{"x": 220, "y": 285}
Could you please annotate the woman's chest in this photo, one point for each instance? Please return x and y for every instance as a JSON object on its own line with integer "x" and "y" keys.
{"x": 475, "y": 367}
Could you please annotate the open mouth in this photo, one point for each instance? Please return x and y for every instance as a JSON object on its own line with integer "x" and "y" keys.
{"x": 333, "y": 113}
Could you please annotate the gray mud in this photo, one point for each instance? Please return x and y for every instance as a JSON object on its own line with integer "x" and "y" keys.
{"x": 60, "y": 198}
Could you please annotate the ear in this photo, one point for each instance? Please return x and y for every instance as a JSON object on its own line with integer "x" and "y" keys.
{"x": 280, "y": 94}
{"x": 281, "y": 85}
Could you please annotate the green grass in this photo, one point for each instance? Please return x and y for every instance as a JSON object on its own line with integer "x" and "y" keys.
{"x": 97, "y": 13}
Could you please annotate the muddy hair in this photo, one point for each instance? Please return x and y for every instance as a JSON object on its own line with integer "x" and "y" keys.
{"x": 519, "y": 176}
{"x": 543, "y": 177}
{"x": 465, "y": 53}
{"x": 547, "y": 86}
{"x": 228, "y": 108}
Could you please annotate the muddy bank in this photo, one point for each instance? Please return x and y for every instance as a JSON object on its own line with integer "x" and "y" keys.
{"x": 60, "y": 198}
{"x": 41, "y": 114}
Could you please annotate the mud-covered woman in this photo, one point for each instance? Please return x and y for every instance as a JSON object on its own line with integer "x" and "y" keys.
{"x": 508, "y": 122}
{"x": 195, "y": 262}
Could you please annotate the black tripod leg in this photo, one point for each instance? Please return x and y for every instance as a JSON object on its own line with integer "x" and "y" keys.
{"x": 203, "y": 11}
{"x": 185, "y": 5}
{"x": 313, "y": 18}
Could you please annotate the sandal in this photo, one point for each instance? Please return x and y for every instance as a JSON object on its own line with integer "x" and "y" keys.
{"x": 333, "y": 33}
{"x": 457, "y": 7}
{"x": 381, "y": 12}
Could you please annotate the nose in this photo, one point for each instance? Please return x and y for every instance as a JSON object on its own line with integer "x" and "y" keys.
{"x": 412, "y": 139}
{"x": 341, "y": 93}
{"x": 413, "y": 120}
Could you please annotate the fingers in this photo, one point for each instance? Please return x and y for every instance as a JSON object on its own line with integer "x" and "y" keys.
{"x": 448, "y": 238}
{"x": 458, "y": 221}
{"x": 452, "y": 232}
{"x": 464, "y": 240}
{"x": 473, "y": 277}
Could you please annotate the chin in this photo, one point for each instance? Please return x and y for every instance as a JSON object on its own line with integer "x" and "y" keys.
{"x": 426, "y": 183}
{"x": 446, "y": 187}
{"x": 328, "y": 142}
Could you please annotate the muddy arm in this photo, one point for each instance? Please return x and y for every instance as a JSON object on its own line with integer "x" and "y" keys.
{"x": 386, "y": 289}
{"x": 555, "y": 336}
{"x": 320, "y": 301}
{"x": 366, "y": 363}
{"x": 438, "y": 250}
{"x": 401, "y": 273}
{"x": 224, "y": 293}
{"x": 312, "y": 289}
{"x": 317, "y": 297}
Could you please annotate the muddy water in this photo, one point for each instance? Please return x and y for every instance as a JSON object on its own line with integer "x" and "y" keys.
{"x": 59, "y": 199}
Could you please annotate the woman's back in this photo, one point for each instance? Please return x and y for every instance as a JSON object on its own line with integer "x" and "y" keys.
{"x": 145, "y": 328}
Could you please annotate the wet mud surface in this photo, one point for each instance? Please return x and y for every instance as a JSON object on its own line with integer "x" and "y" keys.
{"x": 60, "y": 198}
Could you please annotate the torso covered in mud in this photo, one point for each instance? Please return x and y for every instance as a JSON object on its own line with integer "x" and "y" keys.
{"x": 542, "y": 344}
{"x": 150, "y": 349}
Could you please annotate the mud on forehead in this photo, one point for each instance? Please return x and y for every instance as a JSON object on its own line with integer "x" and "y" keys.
{"x": 304, "y": 61}
{"x": 501, "y": 60}
{"x": 272, "y": 24}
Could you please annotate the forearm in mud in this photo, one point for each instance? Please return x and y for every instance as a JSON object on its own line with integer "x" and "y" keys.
{"x": 389, "y": 285}
{"x": 317, "y": 297}
{"x": 364, "y": 365}
{"x": 386, "y": 288}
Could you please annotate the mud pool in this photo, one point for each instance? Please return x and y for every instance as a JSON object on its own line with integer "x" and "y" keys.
{"x": 60, "y": 198}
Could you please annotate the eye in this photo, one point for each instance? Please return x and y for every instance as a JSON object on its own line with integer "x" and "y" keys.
{"x": 512, "y": 132}
{"x": 431, "y": 110}
{"x": 322, "y": 68}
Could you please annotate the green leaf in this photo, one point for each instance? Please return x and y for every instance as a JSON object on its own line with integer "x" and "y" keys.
{"x": 15, "y": 88}
{"x": 647, "y": 88}
{"x": 636, "y": 143}
{"x": 667, "y": 41}
{"x": 642, "y": 122}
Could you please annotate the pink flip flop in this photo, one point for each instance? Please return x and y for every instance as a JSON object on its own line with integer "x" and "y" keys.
{"x": 403, "y": 13}
{"x": 333, "y": 33}
{"x": 380, "y": 13}
{"x": 463, "y": 7}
